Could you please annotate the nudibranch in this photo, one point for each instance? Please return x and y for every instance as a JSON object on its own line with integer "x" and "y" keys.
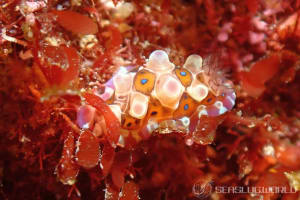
{"x": 160, "y": 95}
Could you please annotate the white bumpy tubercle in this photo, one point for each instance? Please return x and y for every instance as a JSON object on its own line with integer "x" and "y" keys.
{"x": 138, "y": 105}
{"x": 123, "y": 83}
{"x": 159, "y": 62}
{"x": 197, "y": 90}
{"x": 168, "y": 91}
{"x": 193, "y": 63}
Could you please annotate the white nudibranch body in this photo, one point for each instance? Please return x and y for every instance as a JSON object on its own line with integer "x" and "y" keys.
{"x": 158, "y": 93}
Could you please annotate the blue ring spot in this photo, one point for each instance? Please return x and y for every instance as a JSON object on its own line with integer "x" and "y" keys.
{"x": 144, "y": 81}
{"x": 183, "y": 73}
{"x": 186, "y": 106}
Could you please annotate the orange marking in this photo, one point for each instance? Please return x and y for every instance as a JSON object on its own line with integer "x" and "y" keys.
{"x": 147, "y": 86}
{"x": 185, "y": 102}
{"x": 184, "y": 76}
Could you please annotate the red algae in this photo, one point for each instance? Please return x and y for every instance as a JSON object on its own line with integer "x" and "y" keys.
{"x": 67, "y": 169}
{"x": 55, "y": 57}
{"x": 113, "y": 126}
{"x": 87, "y": 152}
{"x": 60, "y": 64}
{"x": 263, "y": 70}
{"x": 76, "y": 23}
